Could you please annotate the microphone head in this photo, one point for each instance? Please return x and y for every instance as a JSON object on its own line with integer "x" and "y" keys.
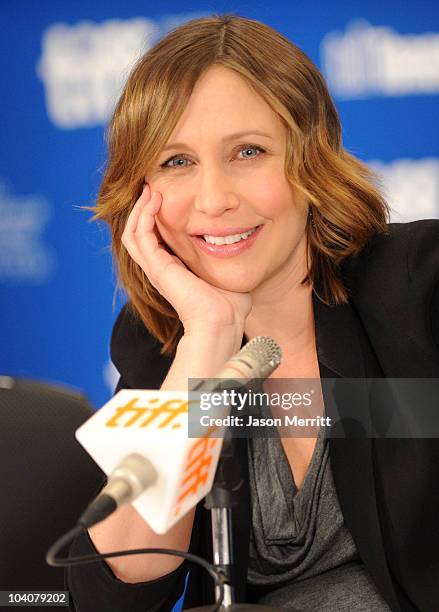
{"x": 263, "y": 353}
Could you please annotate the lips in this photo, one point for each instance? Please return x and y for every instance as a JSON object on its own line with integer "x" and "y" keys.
{"x": 226, "y": 250}
{"x": 231, "y": 239}
{"x": 225, "y": 231}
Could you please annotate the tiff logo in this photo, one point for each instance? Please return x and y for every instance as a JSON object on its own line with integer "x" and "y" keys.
{"x": 368, "y": 60}
{"x": 84, "y": 66}
{"x": 411, "y": 187}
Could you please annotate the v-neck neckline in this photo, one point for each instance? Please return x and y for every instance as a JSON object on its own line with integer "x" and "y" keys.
{"x": 343, "y": 348}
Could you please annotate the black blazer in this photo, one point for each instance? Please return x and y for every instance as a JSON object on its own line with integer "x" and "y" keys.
{"x": 388, "y": 489}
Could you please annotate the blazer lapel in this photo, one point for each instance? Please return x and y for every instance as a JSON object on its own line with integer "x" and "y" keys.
{"x": 343, "y": 347}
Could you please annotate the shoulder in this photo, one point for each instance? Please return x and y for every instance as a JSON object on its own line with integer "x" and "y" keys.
{"x": 136, "y": 353}
{"x": 415, "y": 240}
{"x": 406, "y": 253}
{"x": 394, "y": 287}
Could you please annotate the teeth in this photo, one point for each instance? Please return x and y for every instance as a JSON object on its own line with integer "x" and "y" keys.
{"x": 220, "y": 240}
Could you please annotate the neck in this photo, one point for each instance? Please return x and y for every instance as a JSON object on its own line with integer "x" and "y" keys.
{"x": 284, "y": 311}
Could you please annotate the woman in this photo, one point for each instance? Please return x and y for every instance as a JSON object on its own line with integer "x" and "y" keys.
{"x": 235, "y": 211}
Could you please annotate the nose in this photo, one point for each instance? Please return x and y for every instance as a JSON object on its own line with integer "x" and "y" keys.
{"x": 215, "y": 194}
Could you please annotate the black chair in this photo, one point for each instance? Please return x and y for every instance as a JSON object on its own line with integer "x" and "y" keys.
{"x": 46, "y": 478}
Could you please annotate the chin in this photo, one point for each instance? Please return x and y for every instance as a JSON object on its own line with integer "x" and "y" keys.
{"x": 234, "y": 284}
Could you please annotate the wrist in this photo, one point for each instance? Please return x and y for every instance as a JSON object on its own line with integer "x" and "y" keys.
{"x": 202, "y": 354}
{"x": 214, "y": 343}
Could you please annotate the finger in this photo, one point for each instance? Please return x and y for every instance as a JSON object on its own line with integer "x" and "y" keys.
{"x": 146, "y": 219}
{"x": 146, "y": 237}
{"x": 142, "y": 243}
{"x": 146, "y": 246}
{"x": 158, "y": 235}
{"x": 133, "y": 217}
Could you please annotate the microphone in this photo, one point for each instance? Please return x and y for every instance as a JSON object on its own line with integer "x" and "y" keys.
{"x": 139, "y": 438}
{"x": 257, "y": 359}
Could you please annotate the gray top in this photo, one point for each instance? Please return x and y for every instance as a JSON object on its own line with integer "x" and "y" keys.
{"x": 299, "y": 544}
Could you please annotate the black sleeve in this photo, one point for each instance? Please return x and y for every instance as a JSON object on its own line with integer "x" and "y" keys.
{"x": 94, "y": 588}
{"x": 136, "y": 353}
{"x": 408, "y": 469}
{"x": 423, "y": 270}
{"x": 435, "y": 315}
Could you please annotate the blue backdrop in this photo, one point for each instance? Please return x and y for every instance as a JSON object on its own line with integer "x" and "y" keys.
{"x": 62, "y": 66}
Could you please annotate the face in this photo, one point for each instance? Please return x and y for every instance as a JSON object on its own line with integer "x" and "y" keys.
{"x": 228, "y": 211}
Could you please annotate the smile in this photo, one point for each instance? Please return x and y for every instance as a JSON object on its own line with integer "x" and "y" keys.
{"x": 229, "y": 245}
{"x": 231, "y": 239}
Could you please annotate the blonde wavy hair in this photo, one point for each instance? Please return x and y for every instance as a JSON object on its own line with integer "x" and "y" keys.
{"x": 346, "y": 206}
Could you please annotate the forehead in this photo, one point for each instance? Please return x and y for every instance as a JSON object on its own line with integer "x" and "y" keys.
{"x": 223, "y": 102}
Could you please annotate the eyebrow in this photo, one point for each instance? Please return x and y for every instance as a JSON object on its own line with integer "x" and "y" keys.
{"x": 182, "y": 145}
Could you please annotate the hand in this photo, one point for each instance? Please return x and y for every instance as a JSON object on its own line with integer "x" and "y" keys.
{"x": 200, "y": 306}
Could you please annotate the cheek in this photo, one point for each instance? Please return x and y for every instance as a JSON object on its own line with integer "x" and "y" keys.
{"x": 173, "y": 212}
{"x": 273, "y": 196}
{"x": 288, "y": 201}
{"x": 172, "y": 209}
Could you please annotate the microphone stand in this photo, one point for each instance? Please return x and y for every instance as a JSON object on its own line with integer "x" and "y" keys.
{"x": 256, "y": 360}
{"x": 223, "y": 496}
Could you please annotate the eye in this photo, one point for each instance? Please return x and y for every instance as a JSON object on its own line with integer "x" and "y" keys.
{"x": 178, "y": 161}
{"x": 169, "y": 163}
{"x": 249, "y": 149}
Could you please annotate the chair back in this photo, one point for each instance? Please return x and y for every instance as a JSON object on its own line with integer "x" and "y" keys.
{"x": 46, "y": 478}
